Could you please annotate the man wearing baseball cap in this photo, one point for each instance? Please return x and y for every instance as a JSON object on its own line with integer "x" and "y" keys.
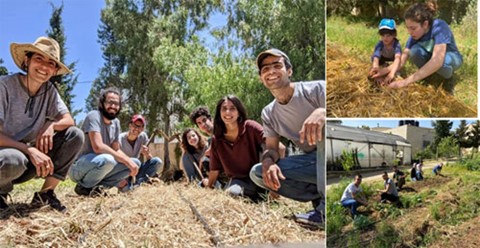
{"x": 133, "y": 143}
{"x": 298, "y": 114}
{"x": 37, "y": 132}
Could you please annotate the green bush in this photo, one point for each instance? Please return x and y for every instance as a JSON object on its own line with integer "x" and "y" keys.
{"x": 362, "y": 222}
{"x": 347, "y": 160}
{"x": 337, "y": 217}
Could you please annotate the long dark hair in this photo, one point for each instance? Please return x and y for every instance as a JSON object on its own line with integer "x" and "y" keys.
{"x": 189, "y": 148}
{"x": 218, "y": 125}
{"x": 421, "y": 12}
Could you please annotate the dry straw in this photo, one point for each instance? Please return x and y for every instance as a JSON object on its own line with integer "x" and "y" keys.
{"x": 153, "y": 216}
{"x": 351, "y": 94}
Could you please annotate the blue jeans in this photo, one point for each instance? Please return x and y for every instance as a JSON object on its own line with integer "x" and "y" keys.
{"x": 300, "y": 184}
{"x": 147, "y": 169}
{"x": 352, "y": 205}
{"x": 244, "y": 187}
{"x": 16, "y": 168}
{"x": 93, "y": 169}
{"x": 419, "y": 176}
{"x": 453, "y": 60}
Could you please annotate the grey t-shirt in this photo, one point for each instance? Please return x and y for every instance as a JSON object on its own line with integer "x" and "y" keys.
{"x": 126, "y": 147}
{"x": 287, "y": 120}
{"x": 393, "y": 189}
{"x": 94, "y": 123}
{"x": 22, "y": 116}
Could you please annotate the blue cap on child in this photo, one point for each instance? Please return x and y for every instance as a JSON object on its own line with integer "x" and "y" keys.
{"x": 386, "y": 23}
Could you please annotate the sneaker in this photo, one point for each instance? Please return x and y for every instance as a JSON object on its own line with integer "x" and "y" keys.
{"x": 383, "y": 201}
{"x": 312, "y": 218}
{"x": 80, "y": 190}
{"x": 98, "y": 190}
{"x": 449, "y": 85}
{"x": 3, "y": 201}
{"x": 43, "y": 198}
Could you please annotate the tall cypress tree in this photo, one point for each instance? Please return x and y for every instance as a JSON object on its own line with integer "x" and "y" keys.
{"x": 65, "y": 83}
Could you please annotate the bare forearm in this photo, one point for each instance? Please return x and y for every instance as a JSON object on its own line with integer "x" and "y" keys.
{"x": 212, "y": 178}
{"x": 63, "y": 122}
{"x": 6, "y": 141}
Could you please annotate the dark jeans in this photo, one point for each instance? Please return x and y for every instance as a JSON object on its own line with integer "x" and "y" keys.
{"x": 352, "y": 205}
{"x": 16, "y": 168}
{"x": 390, "y": 197}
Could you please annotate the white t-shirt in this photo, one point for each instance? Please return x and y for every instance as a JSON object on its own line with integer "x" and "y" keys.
{"x": 351, "y": 188}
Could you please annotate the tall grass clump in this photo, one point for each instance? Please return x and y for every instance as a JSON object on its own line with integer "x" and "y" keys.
{"x": 387, "y": 236}
{"x": 337, "y": 216}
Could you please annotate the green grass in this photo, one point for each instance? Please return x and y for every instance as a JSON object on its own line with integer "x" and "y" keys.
{"x": 447, "y": 205}
{"x": 358, "y": 39}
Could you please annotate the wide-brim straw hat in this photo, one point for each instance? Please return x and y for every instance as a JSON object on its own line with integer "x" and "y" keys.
{"x": 45, "y": 46}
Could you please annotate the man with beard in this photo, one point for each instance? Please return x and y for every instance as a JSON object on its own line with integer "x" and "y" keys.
{"x": 102, "y": 164}
{"x": 298, "y": 114}
{"x": 38, "y": 136}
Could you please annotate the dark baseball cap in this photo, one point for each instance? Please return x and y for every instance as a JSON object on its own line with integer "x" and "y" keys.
{"x": 274, "y": 52}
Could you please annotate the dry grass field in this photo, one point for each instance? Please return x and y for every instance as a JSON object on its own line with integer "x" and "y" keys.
{"x": 158, "y": 215}
{"x": 351, "y": 94}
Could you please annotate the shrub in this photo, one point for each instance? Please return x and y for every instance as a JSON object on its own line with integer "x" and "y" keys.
{"x": 362, "y": 222}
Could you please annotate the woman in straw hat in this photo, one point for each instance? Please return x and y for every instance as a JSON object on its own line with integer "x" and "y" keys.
{"x": 35, "y": 124}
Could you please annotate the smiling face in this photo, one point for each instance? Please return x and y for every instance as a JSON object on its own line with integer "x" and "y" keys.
{"x": 193, "y": 139}
{"x": 40, "y": 68}
{"x": 416, "y": 29}
{"x": 204, "y": 124}
{"x": 136, "y": 128}
{"x": 228, "y": 112}
{"x": 111, "y": 106}
{"x": 274, "y": 73}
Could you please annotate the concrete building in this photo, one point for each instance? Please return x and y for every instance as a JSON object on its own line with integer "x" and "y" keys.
{"x": 418, "y": 137}
{"x": 371, "y": 148}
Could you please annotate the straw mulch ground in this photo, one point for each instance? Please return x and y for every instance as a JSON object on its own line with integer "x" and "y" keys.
{"x": 156, "y": 215}
{"x": 351, "y": 94}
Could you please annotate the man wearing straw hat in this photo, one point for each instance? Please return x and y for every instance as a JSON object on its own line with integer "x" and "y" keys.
{"x": 135, "y": 142}
{"x": 298, "y": 114}
{"x": 102, "y": 164}
{"x": 37, "y": 132}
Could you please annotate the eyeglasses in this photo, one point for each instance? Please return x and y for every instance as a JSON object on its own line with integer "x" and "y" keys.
{"x": 112, "y": 102}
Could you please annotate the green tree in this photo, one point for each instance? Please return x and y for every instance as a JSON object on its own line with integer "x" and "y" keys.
{"x": 461, "y": 134}
{"x": 296, "y": 27}
{"x": 442, "y": 130}
{"x": 150, "y": 44}
{"x": 3, "y": 69}
{"x": 447, "y": 147}
{"x": 452, "y": 11}
{"x": 65, "y": 83}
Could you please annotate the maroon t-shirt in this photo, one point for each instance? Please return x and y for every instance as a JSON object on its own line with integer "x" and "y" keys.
{"x": 237, "y": 158}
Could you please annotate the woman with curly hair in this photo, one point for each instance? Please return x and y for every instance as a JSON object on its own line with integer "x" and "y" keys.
{"x": 194, "y": 146}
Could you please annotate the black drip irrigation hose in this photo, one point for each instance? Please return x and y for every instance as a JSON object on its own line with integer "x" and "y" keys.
{"x": 214, "y": 235}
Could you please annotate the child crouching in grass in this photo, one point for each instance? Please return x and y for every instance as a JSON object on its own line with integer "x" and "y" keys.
{"x": 387, "y": 50}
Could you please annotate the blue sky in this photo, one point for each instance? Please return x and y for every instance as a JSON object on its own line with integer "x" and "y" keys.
{"x": 23, "y": 21}
{"x": 394, "y": 122}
